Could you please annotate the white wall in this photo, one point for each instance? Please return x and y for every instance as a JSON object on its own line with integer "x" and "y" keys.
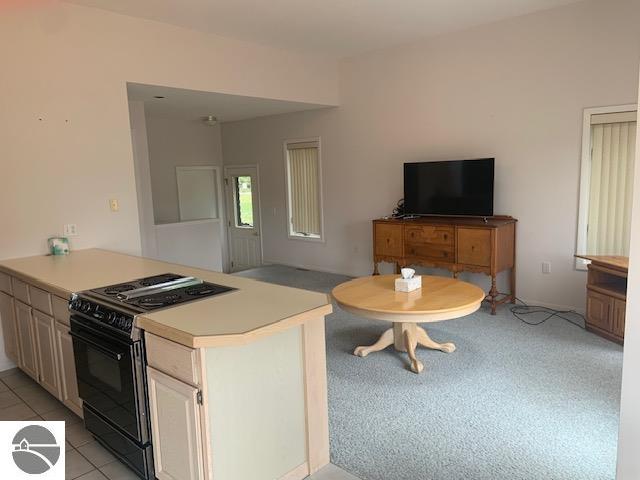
{"x": 174, "y": 142}
{"x": 514, "y": 90}
{"x": 628, "y": 459}
{"x": 65, "y": 146}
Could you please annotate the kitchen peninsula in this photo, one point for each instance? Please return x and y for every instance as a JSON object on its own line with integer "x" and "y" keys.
{"x": 237, "y": 382}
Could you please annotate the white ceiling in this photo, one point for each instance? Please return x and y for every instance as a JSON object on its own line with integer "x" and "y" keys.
{"x": 336, "y": 28}
{"x": 194, "y": 105}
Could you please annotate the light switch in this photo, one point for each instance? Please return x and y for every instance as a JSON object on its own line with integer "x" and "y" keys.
{"x": 70, "y": 230}
{"x": 113, "y": 204}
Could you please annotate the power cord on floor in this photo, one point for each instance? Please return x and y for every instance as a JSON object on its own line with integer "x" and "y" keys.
{"x": 519, "y": 311}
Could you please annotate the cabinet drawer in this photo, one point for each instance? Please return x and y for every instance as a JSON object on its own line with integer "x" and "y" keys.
{"x": 20, "y": 291}
{"x": 173, "y": 359}
{"x": 474, "y": 246}
{"x": 388, "y": 240}
{"x": 40, "y": 300}
{"x": 5, "y": 283}
{"x": 60, "y": 310}
{"x": 443, "y": 253}
{"x": 419, "y": 234}
{"x": 599, "y": 310}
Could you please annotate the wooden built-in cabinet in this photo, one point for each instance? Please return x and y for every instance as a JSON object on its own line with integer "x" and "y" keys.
{"x": 481, "y": 245}
{"x": 35, "y": 330}
{"x": 606, "y": 295}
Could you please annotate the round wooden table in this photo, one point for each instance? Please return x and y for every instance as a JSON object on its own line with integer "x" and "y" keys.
{"x": 440, "y": 298}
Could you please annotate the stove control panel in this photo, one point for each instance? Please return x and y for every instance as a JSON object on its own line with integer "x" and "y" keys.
{"x": 113, "y": 318}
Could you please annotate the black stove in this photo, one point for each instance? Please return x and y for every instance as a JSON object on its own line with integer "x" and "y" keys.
{"x": 110, "y": 359}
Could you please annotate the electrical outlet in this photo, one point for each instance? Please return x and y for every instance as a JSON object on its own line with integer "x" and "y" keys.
{"x": 546, "y": 267}
{"x": 70, "y": 230}
{"x": 113, "y": 205}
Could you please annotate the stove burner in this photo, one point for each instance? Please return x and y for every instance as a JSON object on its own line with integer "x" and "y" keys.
{"x": 202, "y": 290}
{"x": 150, "y": 281}
{"x": 160, "y": 300}
{"x": 116, "y": 289}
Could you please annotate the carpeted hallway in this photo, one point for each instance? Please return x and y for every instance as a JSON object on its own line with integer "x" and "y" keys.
{"x": 513, "y": 402}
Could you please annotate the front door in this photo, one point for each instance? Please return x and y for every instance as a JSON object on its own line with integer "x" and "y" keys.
{"x": 243, "y": 210}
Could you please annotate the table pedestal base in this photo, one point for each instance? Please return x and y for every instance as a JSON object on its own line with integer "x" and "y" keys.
{"x": 405, "y": 337}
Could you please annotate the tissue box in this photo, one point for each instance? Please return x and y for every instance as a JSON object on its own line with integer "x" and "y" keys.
{"x": 408, "y": 284}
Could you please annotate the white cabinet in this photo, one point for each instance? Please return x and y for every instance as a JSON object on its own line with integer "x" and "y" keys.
{"x": 176, "y": 428}
{"x": 44, "y": 335}
{"x": 28, "y": 358}
{"x": 67, "y": 369}
{"x": 9, "y": 331}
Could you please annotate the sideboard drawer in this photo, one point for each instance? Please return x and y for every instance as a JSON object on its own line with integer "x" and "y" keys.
{"x": 434, "y": 234}
{"x": 388, "y": 240}
{"x": 474, "y": 246}
{"x": 21, "y": 291}
{"x": 443, "y": 253}
{"x": 5, "y": 283}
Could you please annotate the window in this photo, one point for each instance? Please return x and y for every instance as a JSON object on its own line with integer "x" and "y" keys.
{"x": 606, "y": 181}
{"x": 243, "y": 202}
{"x": 304, "y": 189}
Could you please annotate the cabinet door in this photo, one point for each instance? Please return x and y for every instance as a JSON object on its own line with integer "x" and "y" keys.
{"x": 599, "y": 311}
{"x": 619, "y": 310}
{"x": 67, "y": 369}
{"x": 45, "y": 333}
{"x": 175, "y": 426}
{"x": 9, "y": 332}
{"x": 388, "y": 240}
{"x": 28, "y": 359}
{"x": 474, "y": 246}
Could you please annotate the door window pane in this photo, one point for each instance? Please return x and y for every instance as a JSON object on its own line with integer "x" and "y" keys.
{"x": 244, "y": 202}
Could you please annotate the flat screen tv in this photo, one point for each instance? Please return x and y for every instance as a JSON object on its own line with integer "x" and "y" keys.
{"x": 455, "y": 187}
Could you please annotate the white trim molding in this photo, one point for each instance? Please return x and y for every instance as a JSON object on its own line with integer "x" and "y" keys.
{"x": 585, "y": 175}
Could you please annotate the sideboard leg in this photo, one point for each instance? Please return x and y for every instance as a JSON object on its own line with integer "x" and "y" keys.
{"x": 375, "y": 268}
{"x": 493, "y": 293}
{"x": 513, "y": 284}
{"x": 455, "y": 274}
{"x": 398, "y": 268}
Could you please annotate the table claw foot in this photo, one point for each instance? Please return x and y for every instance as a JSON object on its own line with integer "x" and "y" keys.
{"x": 447, "y": 347}
{"x": 361, "y": 352}
{"x": 383, "y": 342}
{"x": 416, "y": 366}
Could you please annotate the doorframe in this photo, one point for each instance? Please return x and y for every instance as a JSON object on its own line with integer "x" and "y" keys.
{"x": 230, "y": 215}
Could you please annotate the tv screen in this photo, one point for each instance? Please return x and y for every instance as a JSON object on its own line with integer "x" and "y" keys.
{"x": 455, "y": 187}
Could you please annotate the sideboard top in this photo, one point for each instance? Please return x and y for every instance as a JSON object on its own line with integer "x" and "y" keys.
{"x": 496, "y": 221}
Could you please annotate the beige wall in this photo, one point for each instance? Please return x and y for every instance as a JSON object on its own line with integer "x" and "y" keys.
{"x": 68, "y": 66}
{"x": 514, "y": 90}
{"x": 175, "y": 142}
{"x": 628, "y": 460}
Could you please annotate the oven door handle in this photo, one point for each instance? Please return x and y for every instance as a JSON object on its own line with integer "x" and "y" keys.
{"x": 97, "y": 346}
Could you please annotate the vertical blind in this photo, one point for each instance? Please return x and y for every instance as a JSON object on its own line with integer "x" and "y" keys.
{"x": 613, "y": 143}
{"x": 304, "y": 188}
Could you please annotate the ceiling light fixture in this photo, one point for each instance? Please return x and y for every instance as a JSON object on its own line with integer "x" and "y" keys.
{"x": 210, "y": 120}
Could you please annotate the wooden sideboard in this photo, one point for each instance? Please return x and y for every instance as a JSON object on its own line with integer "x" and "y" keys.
{"x": 458, "y": 244}
{"x": 606, "y": 295}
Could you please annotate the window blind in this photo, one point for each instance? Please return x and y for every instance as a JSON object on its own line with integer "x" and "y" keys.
{"x": 304, "y": 191}
{"x": 611, "y": 186}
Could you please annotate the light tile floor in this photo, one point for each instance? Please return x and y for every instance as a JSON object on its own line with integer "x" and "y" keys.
{"x": 23, "y": 399}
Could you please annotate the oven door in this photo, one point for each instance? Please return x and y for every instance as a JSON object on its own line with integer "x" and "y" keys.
{"x": 108, "y": 378}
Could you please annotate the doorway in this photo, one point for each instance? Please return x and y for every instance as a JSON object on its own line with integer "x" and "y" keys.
{"x": 242, "y": 191}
